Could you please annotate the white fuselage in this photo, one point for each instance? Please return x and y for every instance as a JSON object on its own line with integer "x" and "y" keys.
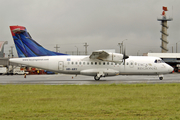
{"x": 134, "y": 65}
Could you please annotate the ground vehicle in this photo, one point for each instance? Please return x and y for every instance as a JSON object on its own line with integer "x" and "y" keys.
{"x": 3, "y": 70}
{"x": 18, "y": 71}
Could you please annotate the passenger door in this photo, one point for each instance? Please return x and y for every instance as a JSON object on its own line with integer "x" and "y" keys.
{"x": 61, "y": 66}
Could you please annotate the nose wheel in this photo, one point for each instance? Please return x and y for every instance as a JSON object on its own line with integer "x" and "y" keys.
{"x": 160, "y": 77}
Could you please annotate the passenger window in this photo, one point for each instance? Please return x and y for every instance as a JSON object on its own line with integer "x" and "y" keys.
{"x": 87, "y": 63}
{"x": 72, "y": 63}
{"x": 111, "y": 63}
{"x": 83, "y": 63}
{"x": 76, "y": 63}
{"x": 115, "y": 63}
{"x": 95, "y": 63}
{"x": 80, "y": 63}
{"x": 99, "y": 63}
{"x": 91, "y": 63}
{"x": 104, "y": 63}
{"x": 107, "y": 63}
{"x": 131, "y": 63}
{"x": 127, "y": 63}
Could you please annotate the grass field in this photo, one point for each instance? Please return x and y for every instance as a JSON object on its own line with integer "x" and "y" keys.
{"x": 137, "y": 101}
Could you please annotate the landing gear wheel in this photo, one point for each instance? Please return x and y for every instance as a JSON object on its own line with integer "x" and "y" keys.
{"x": 96, "y": 78}
{"x": 160, "y": 78}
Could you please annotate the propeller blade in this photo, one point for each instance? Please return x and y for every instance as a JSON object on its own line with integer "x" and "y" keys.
{"x": 124, "y": 55}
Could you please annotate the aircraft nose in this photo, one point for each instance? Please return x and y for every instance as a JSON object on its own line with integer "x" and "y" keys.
{"x": 170, "y": 69}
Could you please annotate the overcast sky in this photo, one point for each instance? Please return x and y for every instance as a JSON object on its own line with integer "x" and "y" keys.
{"x": 101, "y": 23}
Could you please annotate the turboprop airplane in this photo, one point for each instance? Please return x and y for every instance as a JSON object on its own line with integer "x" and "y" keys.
{"x": 99, "y": 64}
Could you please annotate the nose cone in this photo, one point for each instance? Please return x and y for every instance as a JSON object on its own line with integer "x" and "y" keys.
{"x": 170, "y": 69}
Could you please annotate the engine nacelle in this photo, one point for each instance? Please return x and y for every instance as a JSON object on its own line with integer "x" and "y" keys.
{"x": 114, "y": 57}
{"x": 107, "y": 56}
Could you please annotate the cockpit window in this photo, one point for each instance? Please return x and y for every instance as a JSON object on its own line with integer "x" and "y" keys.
{"x": 162, "y": 61}
{"x": 158, "y": 61}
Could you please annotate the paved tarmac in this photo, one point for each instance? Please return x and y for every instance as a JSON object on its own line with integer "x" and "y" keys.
{"x": 62, "y": 79}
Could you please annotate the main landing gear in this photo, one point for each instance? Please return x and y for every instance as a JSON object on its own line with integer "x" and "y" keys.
{"x": 99, "y": 75}
{"x": 96, "y": 78}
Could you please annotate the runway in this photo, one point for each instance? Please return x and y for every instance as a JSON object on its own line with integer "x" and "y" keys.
{"x": 61, "y": 79}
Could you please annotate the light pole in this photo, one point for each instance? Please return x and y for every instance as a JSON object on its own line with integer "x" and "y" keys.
{"x": 12, "y": 51}
{"x": 120, "y": 44}
{"x": 86, "y": 45}
{"x": 177, "y": 47}
{"x": 138, "y": 53}
{"x": 172, "y": 49}
{"x": 9, "y": 54}
{"x": 77, "y": 49}
{"x": 123, "y": 45}
{"x": 57, "y": 48}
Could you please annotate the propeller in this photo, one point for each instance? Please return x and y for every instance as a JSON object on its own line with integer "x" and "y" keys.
{"x": 125, "y": 56}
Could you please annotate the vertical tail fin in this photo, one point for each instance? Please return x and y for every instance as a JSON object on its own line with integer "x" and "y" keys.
{"x": 26, "y": 46}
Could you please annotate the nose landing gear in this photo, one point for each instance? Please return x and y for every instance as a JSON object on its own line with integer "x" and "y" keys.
{"x": 160, "y": 77}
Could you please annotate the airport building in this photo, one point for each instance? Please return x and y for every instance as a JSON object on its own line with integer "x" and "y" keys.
{"x": 2, "y": 43}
